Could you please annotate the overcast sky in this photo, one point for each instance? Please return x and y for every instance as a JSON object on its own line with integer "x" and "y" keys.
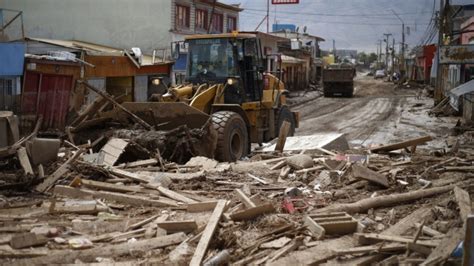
{"x": 354, "y": 24}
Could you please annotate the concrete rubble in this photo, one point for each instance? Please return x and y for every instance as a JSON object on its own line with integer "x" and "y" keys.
{"x": 117, "y": 200}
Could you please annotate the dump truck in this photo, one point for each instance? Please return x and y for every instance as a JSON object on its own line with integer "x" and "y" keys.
{"x": 338, "y": 80}
{"x": 226, "y": 84}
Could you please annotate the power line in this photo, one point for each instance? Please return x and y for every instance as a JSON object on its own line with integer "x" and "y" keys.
{"x": 381, "y": 15}
{"x": 339, "y": 22}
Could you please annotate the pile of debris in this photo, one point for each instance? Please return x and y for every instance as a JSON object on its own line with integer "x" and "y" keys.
{"x": 126, "y": 202}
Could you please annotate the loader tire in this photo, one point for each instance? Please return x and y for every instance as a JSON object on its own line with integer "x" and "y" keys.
{"x": 232, "y": 136}
{"x": 284, "y": 114}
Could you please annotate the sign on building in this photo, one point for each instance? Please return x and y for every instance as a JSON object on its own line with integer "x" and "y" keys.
{"x": 285, "y": 2}
{"x": 457, "y": 54}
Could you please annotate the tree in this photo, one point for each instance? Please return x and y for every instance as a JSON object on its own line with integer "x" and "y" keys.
{"x": 372, "y": 57}
{"x": 362, "y": 57}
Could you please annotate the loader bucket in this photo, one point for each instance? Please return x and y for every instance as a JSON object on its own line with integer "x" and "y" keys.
{"x": 168, "y": 115}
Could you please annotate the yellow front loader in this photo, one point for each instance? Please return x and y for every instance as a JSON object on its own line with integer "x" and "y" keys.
{"x": 226, "y": 82}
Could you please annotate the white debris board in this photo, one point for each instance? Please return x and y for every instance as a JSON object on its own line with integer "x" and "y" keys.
{"x": 111, "y": 151}
{"x": 329, "y": 141}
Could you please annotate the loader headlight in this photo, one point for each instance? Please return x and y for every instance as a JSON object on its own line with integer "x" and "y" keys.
{"x": 231, "y": 81}
{"x": 156, "y": 81}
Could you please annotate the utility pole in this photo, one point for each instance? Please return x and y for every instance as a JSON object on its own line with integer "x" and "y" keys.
{"x": 379, "y": 52}
{"x": 387, "y": 35}
{"x": 334, "y": 50}
{"x": 393, "y": 56}
{"x": 438, "y": 95}
{"x": 268, "y": 16}
{"x": 402, "y": 56}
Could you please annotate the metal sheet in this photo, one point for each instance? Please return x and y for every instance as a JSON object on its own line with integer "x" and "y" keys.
{"x": 12, "y": 58}
{"x": 457, "y": 54}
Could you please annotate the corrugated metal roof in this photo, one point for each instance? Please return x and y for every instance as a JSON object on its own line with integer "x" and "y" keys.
{"x": 92, "y": 48}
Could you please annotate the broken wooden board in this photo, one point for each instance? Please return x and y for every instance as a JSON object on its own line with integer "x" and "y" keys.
{"x": 7, "y": 252}
{"x": 252, "y": 213}
{"x": 369, "y": 249}
{"x": 201, "y": 206}
{"x": 321, "y": 253}
{"x": 178, "y": 226}
{"x": 110, "y": 153}
{"x": 362, "y": 172}
{"x": 60, "y": 172}
{"x": 174, "y": 195}
{"x": 207, "y": 234}
{"x": 443, "y": 251}
{"x": 24, "y": 161}
{"x": 90, "y": 255}
{"x": 283, "y": 134}
{"x": 366, "y": 239}
{"x": 140, "y": 163}
{"x": 327, "y": 141}
{"x": 316, "y": 230}
{"x": 464, "y": 202}
{"x": 25, "y": 240}
{"x": 401, "y": 145}
{"x": 132, "y": 200}
{"x": 109, "y": 187}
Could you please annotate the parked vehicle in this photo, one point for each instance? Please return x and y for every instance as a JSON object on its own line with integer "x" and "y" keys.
{"x": 379, "y": 74}
{"x": 338, "y": 80}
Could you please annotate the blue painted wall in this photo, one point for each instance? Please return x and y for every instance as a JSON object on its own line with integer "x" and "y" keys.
{"x": 12, "y": 58}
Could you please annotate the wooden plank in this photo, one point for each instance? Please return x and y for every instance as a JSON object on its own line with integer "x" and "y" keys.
{"x": 383, "y": 237}
{"x": 258, "y": 179}
{"x": 129, "y": 175}
{"x": 359, "y": 171}
{"x": 60, "y": 172}
{"x": 110, "y": 153}
{"x": 27, "y": 240}
{"x": 251, "y": 213}
{"x": 316, "y": 230}
{"x": 284, "y": 131}
{"x": 24, "y": 161}
{"x": 464, "y": 202}
{"x": 174, "y": 195}
{"x": 368, "y": 249}
{"x": 109, "y": 187}
{"x": 429, "y": 231}
{"x": 79, "y": 209}
{"x": 178, "y": 226}
{"x": 7, "y": 252}
{"x": 142, "y": 223}
{"x": 327, "y": 215}
{"x": 90, "y": 255}
{"x": 442, "y": 252}
{"x": 403, "y": 144}
{"x": 140, "y": 163}
{"x": 117, "y": 197}
{"x": 245, "y": 200}
{"x": 207, "y": 234}
{"x": 339, "y": 227}
{"x": 201, "y": 206}
{"x": 419, "y": 248}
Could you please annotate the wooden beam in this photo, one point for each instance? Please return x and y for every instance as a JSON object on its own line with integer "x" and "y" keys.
{"x": 284, "y": 131}
{"x": 60, "y": 172}
{"x": 90, "y": 255}
{"x": 359, "y": 171}
{"x": 251, "y": 213}
{"x": 245, "y": 200}
{"x": 118, "y": 105}
{"x": 109, "y": 187}
{"x": 368, "y": 249}
{"x": 207, "y": 234}
{"x": 464, "y": 203}
{"x": 24, "y": 161}
{"x": 178, "y": 226}
{"x": 131, "y": 200}
{"x": 201, "y": 206}
{"x": 403, "y": 144}
{"x": 174, "y": 195}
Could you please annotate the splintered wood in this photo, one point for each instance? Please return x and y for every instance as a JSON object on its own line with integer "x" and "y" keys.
{"x": 126, "y": 202}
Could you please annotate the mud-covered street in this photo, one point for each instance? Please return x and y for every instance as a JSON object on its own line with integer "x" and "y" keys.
{"x": 377, "y": 113}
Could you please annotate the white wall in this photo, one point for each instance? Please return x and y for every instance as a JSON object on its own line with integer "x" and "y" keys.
{"x": 118, "y": 23}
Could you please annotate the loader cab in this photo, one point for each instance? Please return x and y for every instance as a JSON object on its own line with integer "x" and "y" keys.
{"x": 235, "y": 61}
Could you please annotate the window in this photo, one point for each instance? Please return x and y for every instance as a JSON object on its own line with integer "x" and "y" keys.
{"x": 182, "y": 16}
{"x": 231, "y": 24}
{"x": 217, "y": 23}
{"x": 201, "y": 19}
{"x": 471, "y": 40}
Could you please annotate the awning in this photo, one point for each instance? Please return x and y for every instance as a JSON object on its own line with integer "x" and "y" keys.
{"x": 12, "y": 59}
{"x": 286, "y": 59}
{"x": 456, "y": 93}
